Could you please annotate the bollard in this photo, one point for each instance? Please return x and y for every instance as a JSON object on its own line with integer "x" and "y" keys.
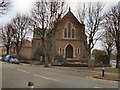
{"x": 103, "y": 72}
{"x": 30, "y": 85}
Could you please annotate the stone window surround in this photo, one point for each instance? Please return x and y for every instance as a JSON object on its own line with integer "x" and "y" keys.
{"x": 66, "y": 28}
{"x": 61, "y": 50}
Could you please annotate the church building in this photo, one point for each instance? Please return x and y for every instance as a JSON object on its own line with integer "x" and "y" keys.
{"x": 70, "y": 39}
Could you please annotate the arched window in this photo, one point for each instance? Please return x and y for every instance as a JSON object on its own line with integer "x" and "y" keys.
{"x": 60, "y": 50}
{"x": 78, "y": 50}
{"x": 72, "y": 32}
{"x": 65, "y": 33}
{"x": 63, "y": 51}
{"x": 69, "y": 30}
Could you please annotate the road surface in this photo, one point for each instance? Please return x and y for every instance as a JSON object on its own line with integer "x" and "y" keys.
{"x": 18, "y": 76}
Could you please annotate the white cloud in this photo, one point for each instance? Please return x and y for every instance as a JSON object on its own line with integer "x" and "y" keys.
{"x": 72, "y": 1}
{"x": 17, "y": 7}
{"x": 23, "y": 6}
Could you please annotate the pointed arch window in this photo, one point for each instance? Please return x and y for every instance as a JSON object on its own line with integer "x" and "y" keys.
{"x": 72, "y": 32}
{"x": 65, "y": 33}
{"x": 69, "y": 30}
{"x": 60, "y": 49}
{"x": 78, "y": 50}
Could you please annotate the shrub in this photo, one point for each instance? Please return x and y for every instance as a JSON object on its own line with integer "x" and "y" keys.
{"x": 59, "y": 57}
{"x": 104, "y": 59}
{"x": 38, "y": 53}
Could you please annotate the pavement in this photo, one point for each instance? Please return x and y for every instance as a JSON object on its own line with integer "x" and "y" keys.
{"x": 90, "y": 72}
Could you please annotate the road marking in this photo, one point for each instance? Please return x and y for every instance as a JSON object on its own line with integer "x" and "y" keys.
{"x": 38, "y": 75}
{"x": 97, "y": 87}
{"x": 45, "y": 77}
{"x": 22, "y": 70}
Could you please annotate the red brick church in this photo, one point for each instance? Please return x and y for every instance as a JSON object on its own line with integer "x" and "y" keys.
{"x": 70, "y": 39}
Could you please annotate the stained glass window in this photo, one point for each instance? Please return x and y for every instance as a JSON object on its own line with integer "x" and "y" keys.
{"x": 69, "y": 30}
{"x": 72, "y": 32}
{"x": 65, "y": 33}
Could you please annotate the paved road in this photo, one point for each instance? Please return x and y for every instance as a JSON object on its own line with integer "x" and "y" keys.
{"x": 0, "y": 75}
{"x": 17, "y": 76}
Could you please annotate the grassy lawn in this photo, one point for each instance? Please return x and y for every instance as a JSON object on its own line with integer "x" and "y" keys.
{"x": 108, "y": 69}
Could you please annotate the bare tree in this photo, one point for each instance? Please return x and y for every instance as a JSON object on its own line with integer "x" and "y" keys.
{"x": 112, "y": 23}
{"x": 46, "y": 16}
{"x": 81, "y": 11}
{"x": 4, "y": 4}
{"x": 7, "y": 37}
{"x": 21, "y": 27}
{"x": 92, "y": 16}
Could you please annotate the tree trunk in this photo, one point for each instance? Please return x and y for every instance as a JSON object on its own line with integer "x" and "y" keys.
{"x": 118, "y": 54}
{"x": 45, "y": 53}
{"x": 7, "y": 50}
{"x": 17, "y": 55}
{"x": 17, "y": 52}
{"x": 46, "y": 61}
{"x": 109, "y": 54}
{"x": 118, "y": 58}
{"x": 89, "y": 58}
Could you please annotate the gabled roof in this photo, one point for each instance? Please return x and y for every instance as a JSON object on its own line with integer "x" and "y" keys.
{"x": 69, "y": 15}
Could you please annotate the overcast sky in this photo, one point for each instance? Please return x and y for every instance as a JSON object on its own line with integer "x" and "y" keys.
{"x": 24, "y": 7}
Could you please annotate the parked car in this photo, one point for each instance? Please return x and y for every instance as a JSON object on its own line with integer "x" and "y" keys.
{"x": 14, "y": 60}
{"x": 7, "y": 58}
{"x": 1, "y": 58}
